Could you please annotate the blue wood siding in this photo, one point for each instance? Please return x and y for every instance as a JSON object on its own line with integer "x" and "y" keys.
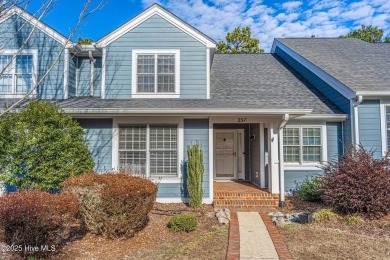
{"x": 83, "y": 76}
{"x": 293, "y": 178}
{"x": 99, "y": 136}
{"x": 72, "y": 75}
{"x": 15, "y": 31}
{"x": 97, "y": 77}
{"x": 338, "y": 99}
{"x": 156, "y": 33}
{"x": 370, "y": 126}
{"x": 334, "y": 135}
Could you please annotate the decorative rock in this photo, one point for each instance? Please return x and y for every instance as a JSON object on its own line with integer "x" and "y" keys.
{"x": 223, "y": 216}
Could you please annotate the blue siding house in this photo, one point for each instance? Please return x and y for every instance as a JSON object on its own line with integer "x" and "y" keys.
{"x": 152, "y": 87}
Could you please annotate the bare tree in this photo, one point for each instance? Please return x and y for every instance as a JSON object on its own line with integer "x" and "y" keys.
{"x": 9, "y": 34}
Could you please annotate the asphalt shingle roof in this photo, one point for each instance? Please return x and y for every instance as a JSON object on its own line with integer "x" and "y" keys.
{"x": 238, "y": 81}
{"x": 359, "y": 65}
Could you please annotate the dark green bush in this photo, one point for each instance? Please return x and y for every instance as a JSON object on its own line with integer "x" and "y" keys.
{"x": 114, "y": 205}
{"x": 182, "y": 222}
{"x": 37, "y": 219}
{"x": 310, "y": 189}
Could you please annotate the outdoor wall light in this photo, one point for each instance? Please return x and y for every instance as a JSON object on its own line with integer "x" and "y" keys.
{"x": 253, "y": 137}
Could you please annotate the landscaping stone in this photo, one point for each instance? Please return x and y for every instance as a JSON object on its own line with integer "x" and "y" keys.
{"x": 279, "y": 219}
{"x": 223, "y": 216}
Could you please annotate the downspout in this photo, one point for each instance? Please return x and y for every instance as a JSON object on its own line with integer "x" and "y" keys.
{"x": 92, "y": 60}
{"x": 358, "y": 100}
{"x": 286, "y": 117}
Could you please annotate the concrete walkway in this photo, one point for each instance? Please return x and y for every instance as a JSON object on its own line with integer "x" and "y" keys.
{"x": 255, "y": 241}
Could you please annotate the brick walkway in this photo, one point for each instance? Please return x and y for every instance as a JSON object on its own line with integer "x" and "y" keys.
{"x": 268, "y": 237}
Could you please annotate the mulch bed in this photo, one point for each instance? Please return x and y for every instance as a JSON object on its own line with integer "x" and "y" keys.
{"x": 155, "y": 241}
{"x": 335, "y": 239}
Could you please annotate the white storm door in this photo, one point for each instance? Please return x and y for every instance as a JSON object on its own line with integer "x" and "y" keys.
{"x": 225, "y": 154}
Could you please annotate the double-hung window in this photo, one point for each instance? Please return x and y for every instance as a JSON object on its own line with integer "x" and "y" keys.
{"x": 150, "y": 150}
{"x": 17, "y": 72}
{"x": 302, "y": 145}
{"x": 156, "y": 73}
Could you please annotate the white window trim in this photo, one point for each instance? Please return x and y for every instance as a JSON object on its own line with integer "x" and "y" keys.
{"x": 34, "y": 53}
{"x": 134, "y": 92}
{"x": 150, "y": 121}
{"x": 324, "y": 150}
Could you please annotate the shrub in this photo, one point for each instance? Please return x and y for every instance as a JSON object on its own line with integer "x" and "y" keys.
{"x": 358, "y": 183}
{"x": 325, "y": 215}
{"x": 114, "y": 205}
{"x": 41, "y": 146}
{"x": 310, "y": 189}
{"x": 195, "y": 171}
{"x": 353, "y": 220}
{"x": 37, "y": 219}
{"x": 182, "y": 222}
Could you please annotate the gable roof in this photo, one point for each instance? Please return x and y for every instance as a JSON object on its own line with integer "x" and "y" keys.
{"x": 264, "y": 80}
{"x": 361, "y": 66}
{"x": 156, "y": 9}
{"x": 28, "y": 17}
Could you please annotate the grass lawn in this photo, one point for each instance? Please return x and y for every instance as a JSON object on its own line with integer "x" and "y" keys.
{"x": 335, "y": 239}
{"x": 208, "y": 241}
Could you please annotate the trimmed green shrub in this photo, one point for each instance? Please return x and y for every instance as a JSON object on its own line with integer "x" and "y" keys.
{"x": 182, "y": 222}
{"x": 195, "y": 171}
{"x": 358, "y": 183}
{"x": 38, "y": 219}
{"x": 41, "y": 146}
{"x": 310, "y": 189}
{"x": 325, "y": 215}
{"x": 114, "y": 205}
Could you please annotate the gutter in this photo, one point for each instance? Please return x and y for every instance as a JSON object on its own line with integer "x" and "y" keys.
{"x": 92, "y": 61}
{"x": 227, "y": 112}
{"x": 286, "y": 117}
{"x": 355, "y": 117}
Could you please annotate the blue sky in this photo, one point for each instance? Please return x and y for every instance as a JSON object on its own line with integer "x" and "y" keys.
{"x": 268, "y": 19}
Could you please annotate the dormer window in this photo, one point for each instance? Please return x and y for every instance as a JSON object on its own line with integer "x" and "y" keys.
{"x": 156, "y": 73}
{"x": 17, "y": 72}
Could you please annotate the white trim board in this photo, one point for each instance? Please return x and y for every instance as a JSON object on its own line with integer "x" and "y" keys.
{"x": 334, "y": 83}
{"x": 181, "y": 200}
{"x": 155, "y": 9}
{"x": 383, "y": 105}
{"x": 15, "y": 10}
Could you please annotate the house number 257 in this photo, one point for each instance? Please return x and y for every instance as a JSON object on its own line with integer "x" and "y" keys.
{"x": 241, "y": 119}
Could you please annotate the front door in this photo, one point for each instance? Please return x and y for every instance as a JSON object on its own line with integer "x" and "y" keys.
{"x": 224, "y": 154}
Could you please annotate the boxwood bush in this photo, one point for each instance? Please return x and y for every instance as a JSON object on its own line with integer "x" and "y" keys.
{"x": 114, "y": 205}
{"x": 182, "y": 222}
{"x": 37, "y": 219}
{"x": 310, "y": 188}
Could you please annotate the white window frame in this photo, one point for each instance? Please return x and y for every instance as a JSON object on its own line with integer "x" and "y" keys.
{"x": 384, "y": 104}
{"x": 14, "y": 52}
{"x": 117, "y": 121}
{"x": 134, "y": 92}
{"x": 324, "y": 151}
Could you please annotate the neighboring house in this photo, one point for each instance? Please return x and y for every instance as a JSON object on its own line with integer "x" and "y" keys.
{"x": 150, "y": 88}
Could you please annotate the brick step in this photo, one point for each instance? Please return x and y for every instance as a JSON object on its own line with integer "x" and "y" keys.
{"x": 248, "y": 203}
{"x": 244, "y": 195}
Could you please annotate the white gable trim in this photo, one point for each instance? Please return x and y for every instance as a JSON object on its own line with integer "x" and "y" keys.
{"x": 334, "y": 83}
{"x": 154, "y": 10}
{"x": 8, "y": 13}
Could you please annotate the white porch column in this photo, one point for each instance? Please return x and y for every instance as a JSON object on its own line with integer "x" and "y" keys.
{"x": 273, "y": 158}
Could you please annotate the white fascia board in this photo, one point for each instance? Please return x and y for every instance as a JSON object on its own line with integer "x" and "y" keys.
{"x": 373, "y": 93}
{"x": 189, "y": 111}
{"x": 154, "y": 10}
{"x": 337, "y": 85}
{"x": 327, "y": 117}
{"x": 34, "y": 22}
